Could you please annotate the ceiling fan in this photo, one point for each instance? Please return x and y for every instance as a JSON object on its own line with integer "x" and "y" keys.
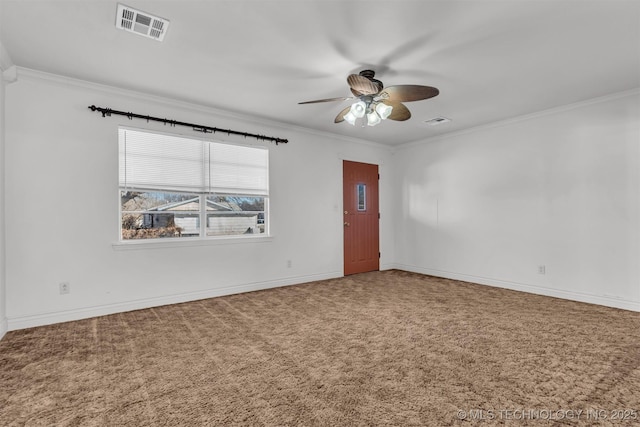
{"x": 377, "y": 102}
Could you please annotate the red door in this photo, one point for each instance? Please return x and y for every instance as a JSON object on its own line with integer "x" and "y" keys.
{"x": 361, "y": 217}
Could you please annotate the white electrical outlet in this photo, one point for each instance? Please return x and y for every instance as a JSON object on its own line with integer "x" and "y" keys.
{"x": 65, "y": 288}
{"x": 542, "y": 269}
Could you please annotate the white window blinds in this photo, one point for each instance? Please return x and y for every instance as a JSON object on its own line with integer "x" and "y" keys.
{"x": 151, "y": 161}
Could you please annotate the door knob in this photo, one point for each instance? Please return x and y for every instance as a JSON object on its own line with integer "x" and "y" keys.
{"x": 346, "y": 224}
{"x": 345, "y": 212}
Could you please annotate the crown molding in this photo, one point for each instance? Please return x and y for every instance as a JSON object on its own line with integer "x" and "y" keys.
{"x": 10, "y": 75}
{"x": 5, "y": 60}
{"x": 156, "y": 99}
{"x": 522, "y": 118}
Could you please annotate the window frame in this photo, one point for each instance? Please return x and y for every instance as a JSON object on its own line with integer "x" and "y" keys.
{"x": 202, "y": 239}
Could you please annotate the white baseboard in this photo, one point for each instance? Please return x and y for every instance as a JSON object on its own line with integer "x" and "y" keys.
{"x": 4, "y": 327}
{"x": 538, "y": 290}
{"x": 30, "y": 321}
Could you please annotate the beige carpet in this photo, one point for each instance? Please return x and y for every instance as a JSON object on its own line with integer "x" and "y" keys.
{"x": 383, "y": 348}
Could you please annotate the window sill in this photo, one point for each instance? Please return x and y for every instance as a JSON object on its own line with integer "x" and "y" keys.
{"x": 179, "y": 243}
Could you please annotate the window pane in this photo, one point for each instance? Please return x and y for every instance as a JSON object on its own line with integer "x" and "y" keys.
{"x": 166, "y": 179}
{"x": 361, "y": 190}
{"x": 173, "y": 163}
{"x": 238, "y": 170}
{"x": 234, "y": 215}
{"x": 154, "y": 214}
{"x": 161, "y": 162}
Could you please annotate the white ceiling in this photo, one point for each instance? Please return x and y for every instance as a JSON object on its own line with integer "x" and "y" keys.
{"x": 491, "y": 59}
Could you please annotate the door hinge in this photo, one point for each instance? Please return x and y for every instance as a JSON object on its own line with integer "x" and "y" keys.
{"x": 378, "y": 176}
{"x": 379, "y": 256}
{"x": 378, "y": 215}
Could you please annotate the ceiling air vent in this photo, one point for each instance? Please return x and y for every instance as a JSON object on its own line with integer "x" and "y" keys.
{"x": 141, "y": 23}
{"x": 437, "y": 121}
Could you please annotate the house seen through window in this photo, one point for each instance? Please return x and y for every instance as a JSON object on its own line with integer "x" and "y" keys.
{"x": 177, "y": 187}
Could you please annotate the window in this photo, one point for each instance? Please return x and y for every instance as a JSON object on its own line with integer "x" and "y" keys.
{"x": 178, "y": 187}
{"x": 361, "y": 196}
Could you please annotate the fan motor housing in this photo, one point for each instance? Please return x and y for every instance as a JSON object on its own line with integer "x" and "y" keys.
{"x": 370, "y": 74}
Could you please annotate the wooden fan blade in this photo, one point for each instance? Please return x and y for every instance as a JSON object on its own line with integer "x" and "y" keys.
{"x": 325, "y": 100}
{"x": 356, "y": 93}
{"x": 406, "y": 93}
{"x": 340, "y": 116}
{"x": 399, "y": 113}
{"x": 362, "y": 84}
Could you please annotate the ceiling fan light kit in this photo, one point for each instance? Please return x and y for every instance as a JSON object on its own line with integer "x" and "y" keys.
{"x": 373, "y": 118}
{"x": 376, "y": 101}
{"x": 350, "y": 118}
{"x": 383, "y": 110}
{"x": 358, "y": 109}
{"x": 376, "y": 112}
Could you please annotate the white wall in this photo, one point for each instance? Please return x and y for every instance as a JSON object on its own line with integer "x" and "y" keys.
{"x": 62, "y": 207}
{"x": 5, "y": 63}
{"x": 559, "y": 189}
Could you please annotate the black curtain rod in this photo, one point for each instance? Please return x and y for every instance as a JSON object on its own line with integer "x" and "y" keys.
{"x": 198, "y": 128}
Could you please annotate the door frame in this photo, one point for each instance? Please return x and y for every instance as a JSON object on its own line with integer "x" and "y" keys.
{"x": 378, "y": 164}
